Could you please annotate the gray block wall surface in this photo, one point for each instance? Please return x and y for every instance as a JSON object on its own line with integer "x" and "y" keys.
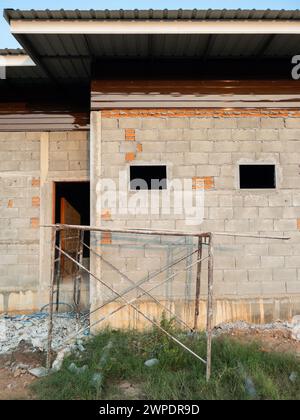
{"x": 29, "y": 164}
{"x": 255, "y": 279}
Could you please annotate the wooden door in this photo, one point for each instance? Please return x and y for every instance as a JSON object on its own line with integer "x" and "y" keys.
{"x": 70, "y": 238}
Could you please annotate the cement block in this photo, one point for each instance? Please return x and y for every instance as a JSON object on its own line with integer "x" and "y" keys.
{"x": 285, "y": 274}
{"x": 113, "y": 135}
{"x": 178, "y": 122}
{"x": 289, "y": 134}
{"x": 285, "y": 225}
{"x": 272, "y": 123}
{"x": 249, "y": 262}
{"x": 292, "y": 123}
{"x": 109, "y": 123}
{"x": 267, "y": 135}
{"x": 260, "y": 275}
{"x": 225, "y": 123}
{"x": 196, "y": 123}
{"x": 272, "y": 262}
{"x": 251, "y": 122}
{"x": 178, "y": 146}
{"x": 219, "y": 134}
{"x": 244, "y": 135}
{"x": 235, "y": 275}
{"x": 292, "y": 261}
{"x": 150, "y": 123}
{"x": 202, "y": 146}
{"x": 219, "y": 158}
{"x": 196, "y": 158}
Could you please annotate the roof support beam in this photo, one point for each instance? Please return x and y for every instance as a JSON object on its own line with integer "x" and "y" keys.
{"x": 155, "y": 27}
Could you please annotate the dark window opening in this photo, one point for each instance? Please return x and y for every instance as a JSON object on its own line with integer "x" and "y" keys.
{"x": 257, "y": 176}
{"x": 148, "y": 177}
{"x": 72, "y": 206}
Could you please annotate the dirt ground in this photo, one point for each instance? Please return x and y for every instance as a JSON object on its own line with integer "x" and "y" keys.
{"x": 15, "y": 380}
{"x": 270, "y": 340}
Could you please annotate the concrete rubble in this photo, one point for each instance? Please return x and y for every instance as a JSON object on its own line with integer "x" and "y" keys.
{"x": 293, "y": 327}
{"x": 33, "y": 330}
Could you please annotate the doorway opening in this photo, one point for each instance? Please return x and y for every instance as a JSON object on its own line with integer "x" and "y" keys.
{"x": 72, "y": 207}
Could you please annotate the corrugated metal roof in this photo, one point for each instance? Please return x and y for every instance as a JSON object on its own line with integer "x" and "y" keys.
{"x": 165, "y": 14}
{"x": 68, "y": 57}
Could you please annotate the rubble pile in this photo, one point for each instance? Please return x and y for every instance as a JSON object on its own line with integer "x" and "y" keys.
{"x": 33, "y": 330}
{"x": 292, "y": 328}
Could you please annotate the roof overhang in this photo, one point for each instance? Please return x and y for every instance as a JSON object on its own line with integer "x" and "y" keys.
{"x": 64, "y": 44}
{"x": 18, "y": 60}
{"x": 140, "y": 27}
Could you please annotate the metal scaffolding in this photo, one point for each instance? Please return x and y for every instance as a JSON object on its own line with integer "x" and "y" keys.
{"x": 74, "y": 235}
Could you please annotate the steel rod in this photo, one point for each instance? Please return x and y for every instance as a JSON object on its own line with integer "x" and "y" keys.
{"x": 198, "y": 285}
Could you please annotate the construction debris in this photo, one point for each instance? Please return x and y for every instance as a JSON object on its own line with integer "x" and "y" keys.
{"x": 151, "y": 362}
{"x": 75, "y": 369}
{"x": 39, "y": 372}
{"x": 291, "y": 328}
{"x": 33, "y": 330}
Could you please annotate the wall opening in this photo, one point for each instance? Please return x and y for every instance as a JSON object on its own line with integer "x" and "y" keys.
{"x": 257, "y": 176}
{"x": 72, "y": 207}
{"x": 148, "y": 177}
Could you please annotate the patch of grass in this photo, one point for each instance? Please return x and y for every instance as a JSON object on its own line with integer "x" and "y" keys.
{"x": 178, "y": 375}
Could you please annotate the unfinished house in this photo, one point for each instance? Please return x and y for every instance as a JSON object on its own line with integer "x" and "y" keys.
{"x": 206, "y": 96}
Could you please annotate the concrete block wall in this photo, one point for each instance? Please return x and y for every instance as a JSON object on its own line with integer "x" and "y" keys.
{"x": 255, "y": 280}
{"x": 19, "y": 219}
{"x": 29, "y": 164}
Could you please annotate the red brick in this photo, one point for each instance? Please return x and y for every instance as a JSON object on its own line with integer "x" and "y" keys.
{"x": 139, "y": 147}
{"x": 106, "y": 238}
{"x": 35, "y": 201}
{"x": 35, "y": 182}
{"x": 35, "y": 222}
{"x": 129, "y": 156}
{"x": 206, "y": 181}
{"x": 130, "y": 134}
{"x": 106, "y": 215}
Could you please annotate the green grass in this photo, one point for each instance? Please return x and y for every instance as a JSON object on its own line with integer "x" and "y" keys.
{"x": 178, "y": 376}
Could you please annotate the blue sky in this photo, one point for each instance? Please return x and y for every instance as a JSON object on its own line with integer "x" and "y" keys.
{"x": 6, "y": 40}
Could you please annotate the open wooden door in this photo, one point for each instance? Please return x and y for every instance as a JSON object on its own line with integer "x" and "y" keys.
{"x": 70, "y": 238}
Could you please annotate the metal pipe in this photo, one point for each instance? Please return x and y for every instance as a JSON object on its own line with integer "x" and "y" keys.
{"x": 198, "y": 284}
{"x": 210, "y": 306}
{"x": 51, "y": 293}
{"x": 134, "y": 231}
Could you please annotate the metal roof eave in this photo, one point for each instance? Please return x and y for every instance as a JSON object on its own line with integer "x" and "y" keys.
{"x": 140, "y": 27}
{"x": 153, "y": 14}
